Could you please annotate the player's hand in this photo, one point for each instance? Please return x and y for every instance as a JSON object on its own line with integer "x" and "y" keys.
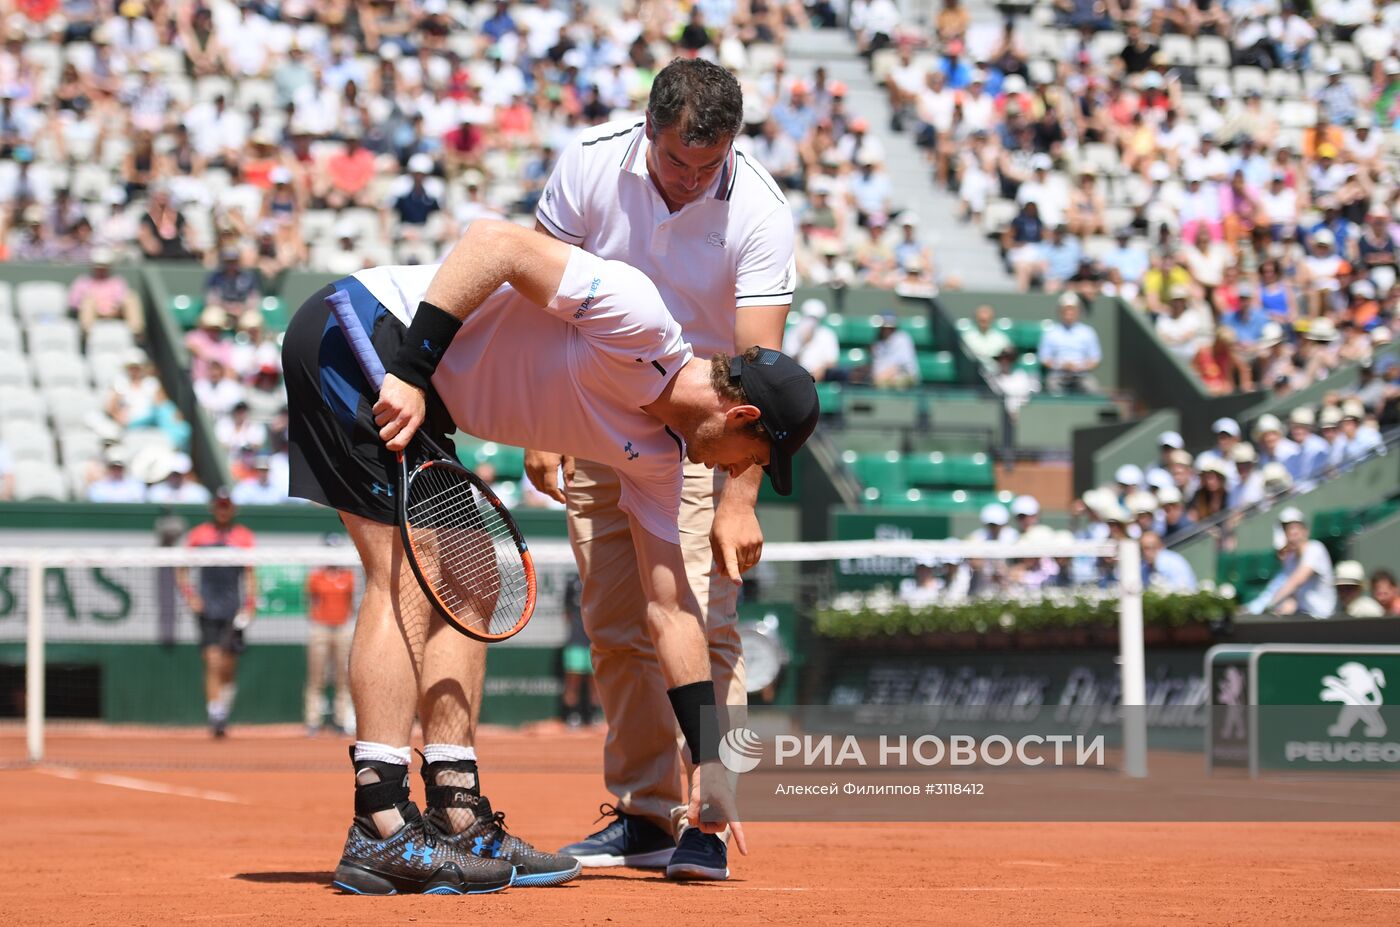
{"x": 399, "y": 411}
{"x": 542, "y": 467}
{"x": 712, "y": 803}
{"x": 736, "y": 539}
{"x": 242, "y": 619}
{"x": 196, "y": 604}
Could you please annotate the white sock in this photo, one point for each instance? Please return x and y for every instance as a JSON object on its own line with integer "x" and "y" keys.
{"x": 215, "y": 710}
{"x": 447, "y": 753}
{"x": 367, "y": 752}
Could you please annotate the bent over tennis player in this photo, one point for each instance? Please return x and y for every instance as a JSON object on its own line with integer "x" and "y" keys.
{"x": 523, "y": 339}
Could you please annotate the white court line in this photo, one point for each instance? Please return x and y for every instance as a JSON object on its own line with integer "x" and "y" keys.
{"x": 140, "y": 785}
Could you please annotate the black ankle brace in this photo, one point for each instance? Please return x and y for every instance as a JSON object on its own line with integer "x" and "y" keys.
{"x": 391, "y": 791}
{"x": 451, "y": 796}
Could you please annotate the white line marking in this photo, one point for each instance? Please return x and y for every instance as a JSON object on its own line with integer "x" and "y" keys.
{"x": 140, "y": 785}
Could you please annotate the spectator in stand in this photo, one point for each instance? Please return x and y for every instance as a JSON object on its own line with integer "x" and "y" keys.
{"x": 259, "y": 488}
{"x": 982, "y": 340}
{"x": 1023, "y": 244}
{"x": 1070, "y": 352}
{"x": 1386, "y": 591}
{"x": 163, "y": 232}
{"x": 178, "y": 487}
{"x": 1249, "y": 485}
{"x": 134, "y": 393}
{"x": 99, "y": 294}
{"x": 1221, "y": 365}
{"x": 243, "y": 437}
{"x": 894, "y": 362}
{"x": 1352, "y": 600}
{"x": 1164, "y": 570}
{"x": 812, "y": 343}
{"x": 219, "y": 390}
{"x": 206, "y": 343}
{"x": 345, "y": 176}
{"x": 116, "y": 484}
{"x": 1125, "y": 265}
{"x": 1360, "y": 439}
{"x": 1062, "y": 255}
{"x": 1211, "y": 497}
{"x": 233, "y": 287}
{"x": 1184, "y": 328}
{"x": 1303, "y": 586}
{"x": 1272, "y": 445}
{"x": 1311, "y": 461}
{"x": 1174, "y": 515}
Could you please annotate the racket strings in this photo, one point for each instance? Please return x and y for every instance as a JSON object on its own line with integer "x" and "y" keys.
{"x": 466, "y": 551}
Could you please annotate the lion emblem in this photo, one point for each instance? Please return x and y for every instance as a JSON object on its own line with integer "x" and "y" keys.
{"x": 1358, "y": 688}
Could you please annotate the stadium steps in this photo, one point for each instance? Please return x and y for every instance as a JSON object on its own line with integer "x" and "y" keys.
{"x": 957, "y": 248}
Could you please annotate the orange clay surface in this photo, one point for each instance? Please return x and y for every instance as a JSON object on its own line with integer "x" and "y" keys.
{"x": 122, "y": 838}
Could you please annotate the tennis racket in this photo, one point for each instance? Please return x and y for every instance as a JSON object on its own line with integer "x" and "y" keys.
{"x": 465, "y": 550}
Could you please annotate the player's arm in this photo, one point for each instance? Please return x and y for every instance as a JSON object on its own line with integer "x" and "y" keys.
{"x": 763, "y": 288}
{"x": 736, "y": 539}
{"x": 491, "y": 253}
{"x": 674, "y": 625}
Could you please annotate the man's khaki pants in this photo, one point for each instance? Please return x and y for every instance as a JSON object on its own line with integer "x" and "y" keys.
{"x": 645, "y": 761}
{"x": 327, "y": 653}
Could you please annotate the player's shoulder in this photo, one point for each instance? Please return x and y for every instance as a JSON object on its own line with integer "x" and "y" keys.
{"x": 201, "y": 535}
{"x": 607, "y": 138}
{"x": 753, "y": 188}
{"x": 241, "y": 536}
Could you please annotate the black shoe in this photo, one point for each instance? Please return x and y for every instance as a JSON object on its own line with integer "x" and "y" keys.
{"x": 630, "y": 840}
{"x": 699, "y": 856}
{"x": 414, "y": 860}
{"x": 487, "y": 838}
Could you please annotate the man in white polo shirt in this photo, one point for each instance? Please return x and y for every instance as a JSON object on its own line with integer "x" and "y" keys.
{"x": 670, "y": 195}
{"x": 462, "y": 348}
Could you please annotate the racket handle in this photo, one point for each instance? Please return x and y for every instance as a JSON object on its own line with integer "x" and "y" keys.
{"x": 360, "y": 345}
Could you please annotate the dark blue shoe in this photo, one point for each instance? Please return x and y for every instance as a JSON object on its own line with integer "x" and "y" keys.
{"x": 630, "y": 840}
{"x": 699, "y": 856}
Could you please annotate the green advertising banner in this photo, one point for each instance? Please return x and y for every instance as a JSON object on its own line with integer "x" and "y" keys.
{"x": 869, "y": 572}
{"x": 1324, "y": 708}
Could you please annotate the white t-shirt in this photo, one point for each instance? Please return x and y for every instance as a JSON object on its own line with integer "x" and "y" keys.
{"x": 731, "y": 247}
{"x": 1317, "y": 596}
{"x": 570, "y": 377}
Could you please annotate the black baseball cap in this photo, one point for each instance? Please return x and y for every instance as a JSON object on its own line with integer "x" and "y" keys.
{"x": 786, "y": 397}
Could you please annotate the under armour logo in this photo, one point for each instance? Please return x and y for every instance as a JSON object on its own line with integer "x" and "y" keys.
{"x": 631, "y": 454}
{"x": 481, "y": 848}
{"x": 426, "y": 854}
{"x": 385, "y": 488}
{"x": 429, "y": 350}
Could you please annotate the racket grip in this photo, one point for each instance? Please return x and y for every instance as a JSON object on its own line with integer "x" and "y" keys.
{"x": 370, "y": 364}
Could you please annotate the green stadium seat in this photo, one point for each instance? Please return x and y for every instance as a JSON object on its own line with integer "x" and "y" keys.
{"x": 275, "y": 314}
{"x": 829, "y": 395}
{"x": 1025, "y": 335}
{"x": 508, "y": 461}
{"x": 1030, "y": 363}
{"x": 884, "y": 472}
{"x": 927, "y": 471}
{"x": 186, "y": 310}
{"x": 920, "y": 330}
{"x": 1247, "y": 570}
{"x": 854, "y": 357}
{"x": 937, "y": 367}
{"x": 857, "y": 330}
{"x": 972, "y": 471}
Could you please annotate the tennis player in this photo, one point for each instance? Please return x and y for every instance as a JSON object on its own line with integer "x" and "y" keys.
{"x": 579, "y": 356}
{"x": 671, "y": 196}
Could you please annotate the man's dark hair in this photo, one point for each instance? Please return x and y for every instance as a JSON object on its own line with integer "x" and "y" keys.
{"x": 1384, "y": 575}
{"x": 701, "y": 100}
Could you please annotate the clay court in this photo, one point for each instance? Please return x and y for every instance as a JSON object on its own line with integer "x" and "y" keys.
{"x": 107, "y": 842}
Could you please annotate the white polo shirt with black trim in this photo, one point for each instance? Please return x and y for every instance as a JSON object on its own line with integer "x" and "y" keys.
{"x": 732, "y": 247}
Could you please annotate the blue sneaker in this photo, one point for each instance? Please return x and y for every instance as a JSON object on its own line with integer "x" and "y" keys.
{"x": 699, "y": 856}
{"x": 630, "y": 840}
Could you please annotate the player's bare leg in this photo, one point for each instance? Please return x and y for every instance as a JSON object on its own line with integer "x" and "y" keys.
{"x": 454, "y": 667}
{"x": 390, "y": 849}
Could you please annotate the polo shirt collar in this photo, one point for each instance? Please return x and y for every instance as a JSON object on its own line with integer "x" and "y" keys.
{"x": 634, "y": 161}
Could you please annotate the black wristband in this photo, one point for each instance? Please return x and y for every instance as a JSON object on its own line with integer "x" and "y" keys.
{"x": 694, "y": 705}
{"x": 428, "y": 337}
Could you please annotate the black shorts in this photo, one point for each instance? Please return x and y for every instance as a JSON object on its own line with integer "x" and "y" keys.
{"x": 219, "y": 632}
{"x": 336, "y": 456}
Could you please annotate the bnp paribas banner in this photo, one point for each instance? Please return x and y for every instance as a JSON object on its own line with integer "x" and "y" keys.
{"x": 95, "y": 604}
{"x": 1317, "y": 708}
